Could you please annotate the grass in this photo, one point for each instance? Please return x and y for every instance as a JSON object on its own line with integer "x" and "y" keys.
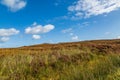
{"x": 91, "y": 60}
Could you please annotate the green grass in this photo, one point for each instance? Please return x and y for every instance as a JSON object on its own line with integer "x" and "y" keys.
{"x": 74, "y": 63}
{"x": 60, "y": 67}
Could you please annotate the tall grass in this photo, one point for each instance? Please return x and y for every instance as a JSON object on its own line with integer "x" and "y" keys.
{"x": 74, "y": 61}
{"x": 51, "y": 66}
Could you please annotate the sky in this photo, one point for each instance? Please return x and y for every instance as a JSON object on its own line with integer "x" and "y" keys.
{"x": 28, "y": 22}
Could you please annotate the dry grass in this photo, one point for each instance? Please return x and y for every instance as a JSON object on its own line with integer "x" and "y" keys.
{"x": 90, "y": 60}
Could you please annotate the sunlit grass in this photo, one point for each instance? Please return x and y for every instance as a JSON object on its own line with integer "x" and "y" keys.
{"x": 75, "y": 62}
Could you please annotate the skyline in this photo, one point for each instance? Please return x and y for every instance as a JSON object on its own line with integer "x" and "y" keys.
{"x": 28, "y": 22}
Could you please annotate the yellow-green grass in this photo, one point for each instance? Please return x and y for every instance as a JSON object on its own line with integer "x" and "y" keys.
{"x": 90, "y": 60}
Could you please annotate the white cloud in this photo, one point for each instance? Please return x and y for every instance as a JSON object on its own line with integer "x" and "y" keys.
{"x": 107, "y": 33}
{"x": 38, "y": 29}
{"x": 36, "y": 37}
{"x": 34, "y": 24}
{"x": 48, "y": 28}
{"x": 87, "y": 8}
{"x": 67, "y": 30}
{"x": 86, "y": 23}
{"x": 8, "y": 32}
{"x": 14, "y": 5}
{"x": 4, "y": 39}
{"x": 71, "y": 34}
{"x": 75, "y": 38}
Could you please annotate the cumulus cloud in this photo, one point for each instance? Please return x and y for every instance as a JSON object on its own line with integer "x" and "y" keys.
{"x": 87, "y": 8}
{"x": 6, "y": 33}
{"x": 75, "y": 38}
{"x": 36, "y": 37}
{"x": 14, "y": 5}
{"x": 4, "y": 39}
{"x": 38, "y": 29}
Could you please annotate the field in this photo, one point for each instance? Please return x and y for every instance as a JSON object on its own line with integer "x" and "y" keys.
{"x": 86, "y": 60}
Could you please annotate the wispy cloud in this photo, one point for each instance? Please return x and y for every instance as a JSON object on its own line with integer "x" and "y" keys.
{"x": 67, "y": 30}
{"x": 70, "y": 32}
{"x": 107, "y": 33}
{"x": 87, "y": 8}
{"x": 6, "y": 33}
{"x": 75, "y": 38}
{"x": 14, "y": 5}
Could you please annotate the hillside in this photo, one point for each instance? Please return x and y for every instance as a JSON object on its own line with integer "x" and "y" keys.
{"x": 101, "y": 46}
{"x": 85, "y": 60}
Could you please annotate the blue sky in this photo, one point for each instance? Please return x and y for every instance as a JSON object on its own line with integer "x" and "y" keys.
{"x": 28, "y": 22}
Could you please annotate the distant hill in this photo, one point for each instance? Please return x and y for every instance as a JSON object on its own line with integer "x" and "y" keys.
{"x": 101, "y": 46}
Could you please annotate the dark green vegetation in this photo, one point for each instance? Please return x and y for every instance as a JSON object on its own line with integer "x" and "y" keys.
{"x": 90, "y": 60}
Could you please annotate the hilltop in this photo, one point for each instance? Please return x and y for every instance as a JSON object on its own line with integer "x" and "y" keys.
{"x": 102, "y": 46}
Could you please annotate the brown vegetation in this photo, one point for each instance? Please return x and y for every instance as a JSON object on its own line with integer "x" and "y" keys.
{"x": 87, "y": 60}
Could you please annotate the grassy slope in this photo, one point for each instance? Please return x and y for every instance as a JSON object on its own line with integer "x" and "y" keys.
{"x": 89, "y": 60}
